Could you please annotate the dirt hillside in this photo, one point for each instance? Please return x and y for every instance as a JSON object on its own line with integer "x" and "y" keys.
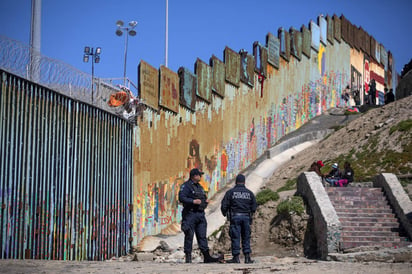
{"x": 379, "y": 140}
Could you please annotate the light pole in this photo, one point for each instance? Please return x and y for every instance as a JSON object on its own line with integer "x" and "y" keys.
{"x": 129, "y": 31}
{"x": 88, "y": 51}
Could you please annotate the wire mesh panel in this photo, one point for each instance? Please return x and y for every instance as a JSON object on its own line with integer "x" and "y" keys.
{"x": 65, "y": 176}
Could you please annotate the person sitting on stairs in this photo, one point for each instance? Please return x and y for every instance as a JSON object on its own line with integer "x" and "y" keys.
{"x": 334, "y": 175}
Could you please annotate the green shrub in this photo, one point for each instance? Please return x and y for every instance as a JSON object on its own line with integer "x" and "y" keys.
{"x": 290, "y": 206}
{"x": 290, "y": 185}
{"x": 405, "y": 125}
{"x": 266, "y": 195}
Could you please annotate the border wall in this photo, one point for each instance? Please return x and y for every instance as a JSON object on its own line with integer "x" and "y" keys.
{"x": 78, "y": 182}
{"x": 230, "y": 110}
{"x": 65, "y": 176}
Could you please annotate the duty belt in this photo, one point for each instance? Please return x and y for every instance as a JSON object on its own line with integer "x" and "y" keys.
{"x": 240, "y": 214}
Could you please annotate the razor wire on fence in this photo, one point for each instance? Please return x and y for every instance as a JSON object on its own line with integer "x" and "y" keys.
{"x": 24, "y": 61}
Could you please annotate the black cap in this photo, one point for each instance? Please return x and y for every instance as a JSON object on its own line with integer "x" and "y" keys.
{"x": 195, "y": 172}
{"x": 240, "y": 178}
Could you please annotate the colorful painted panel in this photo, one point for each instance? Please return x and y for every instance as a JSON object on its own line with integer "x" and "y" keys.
{"x": 384, "y": 57}
{"x": 330, "y": 32}
{"x": 366, "y": 75}
{"x": 247, "y": 68}
{"x": 218, "y": 76}
{"x": 169, "y": 89}
{"x": 149, "y": 84}
{"x": 390, "y": 61}
{"x": 315, "y": 31}
{"x": 307, "y": 40}
{"x": 261, "y": 58}
{"x": 337, "y": 28}
{"x": 232, "y": 62}
{"x": 377, "y": 50}
{"x": 323, "y": 26}
{"x": 284, "y": 43}
{"x": 296, "y": 43}
{"x": 273, "y": 46}
{"x": 188, "y": 86}
{"x": 204, "y": 80}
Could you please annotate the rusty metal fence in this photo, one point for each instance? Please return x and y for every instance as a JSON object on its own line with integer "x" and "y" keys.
{"x": 65, "y": 176}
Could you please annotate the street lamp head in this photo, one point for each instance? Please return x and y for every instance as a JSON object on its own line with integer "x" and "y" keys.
{"x": 119, "y": 23}
{"x": 97, "y": 59}
{"x": 86, "y": 50}
{"x": 132, "y": 32}
{"x": 86, "y": 58}
{"x": 133, "y": 24}
{"x": 98, "y": 50}
{"x": 119, "y": 32}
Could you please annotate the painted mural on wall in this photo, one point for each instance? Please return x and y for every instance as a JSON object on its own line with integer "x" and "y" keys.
{"x": 157, "y": 204}
{"x": 296, "y": 92}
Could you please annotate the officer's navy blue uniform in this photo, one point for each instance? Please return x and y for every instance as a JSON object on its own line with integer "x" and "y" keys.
{"x": 193, "y": 216}
{"x": 239, "y": 204}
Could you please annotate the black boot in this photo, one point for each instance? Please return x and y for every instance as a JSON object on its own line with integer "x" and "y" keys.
{"x": 248, "y": 260}
{"x": 234, "y": 260}
{"x": 208, "y": 258}
{"x": 188, "y": 258}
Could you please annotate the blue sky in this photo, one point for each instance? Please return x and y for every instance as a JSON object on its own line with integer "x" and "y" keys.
{"x": 197, "y": 28}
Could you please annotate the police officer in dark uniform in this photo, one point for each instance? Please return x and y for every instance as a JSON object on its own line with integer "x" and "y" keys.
{"x": 194, "y": 201}
{"x": 239, "y": 205}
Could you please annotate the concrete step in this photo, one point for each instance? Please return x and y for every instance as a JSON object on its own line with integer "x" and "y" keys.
{"x": 363, "y": 219}
{"x": 346, "y": 210}
{"x": 368, "y": 233}
{"x": 377, "y": 239}
{"x": 361, "y": 204}
{"x": 348, "y": 245}
{"x": 370, "y": 229}
{"x": 357, "y": 190}
{"x": 371, "y": 224}
{"x": 350, "y": 214}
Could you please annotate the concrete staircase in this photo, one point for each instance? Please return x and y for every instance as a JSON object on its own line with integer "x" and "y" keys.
{"x": 366, "y": 218}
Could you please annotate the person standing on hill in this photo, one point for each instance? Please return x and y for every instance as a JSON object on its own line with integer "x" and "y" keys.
{"x": 390, "y": 97}
{"x": 239, "y": 205}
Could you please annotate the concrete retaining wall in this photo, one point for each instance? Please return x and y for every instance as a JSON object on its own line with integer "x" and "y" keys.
{"x": 327, "y": 226}
{"x": 397, "y": 198}
{"x": 309, "y": 136}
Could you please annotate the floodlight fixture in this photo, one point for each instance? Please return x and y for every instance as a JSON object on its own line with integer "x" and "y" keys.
{"x": 95, "y": 54}
{"x": 119, "y": 23}
{"x": 129, "y": 31}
